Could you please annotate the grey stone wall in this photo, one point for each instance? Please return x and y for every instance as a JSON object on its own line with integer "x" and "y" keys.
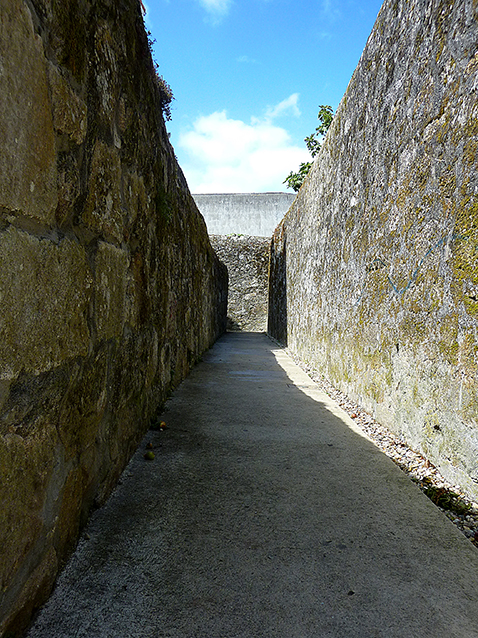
{"x": 109, "y": 287}
{"x": 374, "y": 269}
{"x": 254, "y": 214}
{"x": 247, "y": 261}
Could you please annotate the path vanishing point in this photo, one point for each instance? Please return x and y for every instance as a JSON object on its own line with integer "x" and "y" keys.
{"x": 265, "y": 514}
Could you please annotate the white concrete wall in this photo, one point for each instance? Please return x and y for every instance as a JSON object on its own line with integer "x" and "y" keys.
{"x": 255, "y": 214}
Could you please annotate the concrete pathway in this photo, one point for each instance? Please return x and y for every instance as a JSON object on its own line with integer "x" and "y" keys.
{"x": 265, "y": 514}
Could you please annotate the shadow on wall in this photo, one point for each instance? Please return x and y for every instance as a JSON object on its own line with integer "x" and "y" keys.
{"x": 277, "y": 314}
{"x": 233, "y": 326}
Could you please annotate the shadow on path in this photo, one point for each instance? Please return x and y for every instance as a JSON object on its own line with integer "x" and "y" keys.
{"x": 264, "y": 514}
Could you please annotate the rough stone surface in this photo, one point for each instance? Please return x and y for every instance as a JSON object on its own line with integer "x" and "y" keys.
{"x": 45, "y": 293}
{"x": 255, "y": 214}
{"x": 109, "y": 287}
{"x": 374, "y": 276}
{"x": 247, "y": 261}
{"x": 28, "y": 184}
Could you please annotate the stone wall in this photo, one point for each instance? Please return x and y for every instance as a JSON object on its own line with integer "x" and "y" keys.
{"x": 109, "y": 287}
{"x": 254, "y": 214}
{"x": 374, "y": 271}
{"x": 247, "y": 261}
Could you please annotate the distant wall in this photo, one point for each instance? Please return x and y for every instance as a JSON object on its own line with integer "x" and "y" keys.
{"x": 247, "y": 261}
{"x": 109, "y": 287}
{"x": 255, "y": 214}
{"x": 374, "y": 271}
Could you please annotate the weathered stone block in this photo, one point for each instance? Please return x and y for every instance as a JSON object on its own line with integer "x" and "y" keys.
{"x": 103, "y": 213}
{"x": 68, "y": 110}
{"x": 26, "y": 466}
{"x": 106, "y": 70}
{"x": 27, "y": 148}
{"x": 45, "y": 289}
{"x": 111, "y": 270}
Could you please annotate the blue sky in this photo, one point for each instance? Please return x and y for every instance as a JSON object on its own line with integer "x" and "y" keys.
{"x": 248, "y": 77}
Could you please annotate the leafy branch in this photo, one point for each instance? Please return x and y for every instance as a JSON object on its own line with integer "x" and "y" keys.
{"x": 313, "y": 143}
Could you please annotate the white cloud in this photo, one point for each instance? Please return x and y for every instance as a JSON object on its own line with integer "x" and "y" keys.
{"x": 331, "y": 9}
{"x": 224, "y": 155}
{"x": 216, "y": 9}
{"x": 289, "y": 105}
{"x": 246, "y": 59}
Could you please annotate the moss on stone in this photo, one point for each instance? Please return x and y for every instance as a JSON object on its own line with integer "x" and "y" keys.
{"x": 448, "y": 338}
{"x": 465, "y": 263}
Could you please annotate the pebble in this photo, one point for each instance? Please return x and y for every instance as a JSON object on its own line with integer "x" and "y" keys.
{"x": 419, "y": 468}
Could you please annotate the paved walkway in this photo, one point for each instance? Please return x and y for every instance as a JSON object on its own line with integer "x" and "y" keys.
{"x": 265, "y": 514}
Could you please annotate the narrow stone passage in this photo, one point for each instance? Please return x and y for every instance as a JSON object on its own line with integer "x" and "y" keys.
{"x": 265, "y": 513}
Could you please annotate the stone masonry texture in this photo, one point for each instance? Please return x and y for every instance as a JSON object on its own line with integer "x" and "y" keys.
{"x": 247, "y": 261}
{"x": 374, "y": 270}
{"x": 109, "y": 287}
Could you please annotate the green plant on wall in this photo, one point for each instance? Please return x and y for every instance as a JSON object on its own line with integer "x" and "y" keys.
{"x": 165, "y": 92}
{"x": 313, "y": 141}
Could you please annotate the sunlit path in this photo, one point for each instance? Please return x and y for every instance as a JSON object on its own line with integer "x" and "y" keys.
{"x": 264, "y": 514}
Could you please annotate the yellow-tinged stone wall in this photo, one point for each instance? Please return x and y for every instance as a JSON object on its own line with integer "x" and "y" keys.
{"x": 374, "y": 270}
{"x": 109, "y": 287}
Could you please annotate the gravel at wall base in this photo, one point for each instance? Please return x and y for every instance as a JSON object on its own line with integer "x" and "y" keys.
{"x": 451, "y": 499}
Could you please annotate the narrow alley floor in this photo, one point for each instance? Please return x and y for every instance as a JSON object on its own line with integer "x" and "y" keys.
{"x": 264, "y": 514}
